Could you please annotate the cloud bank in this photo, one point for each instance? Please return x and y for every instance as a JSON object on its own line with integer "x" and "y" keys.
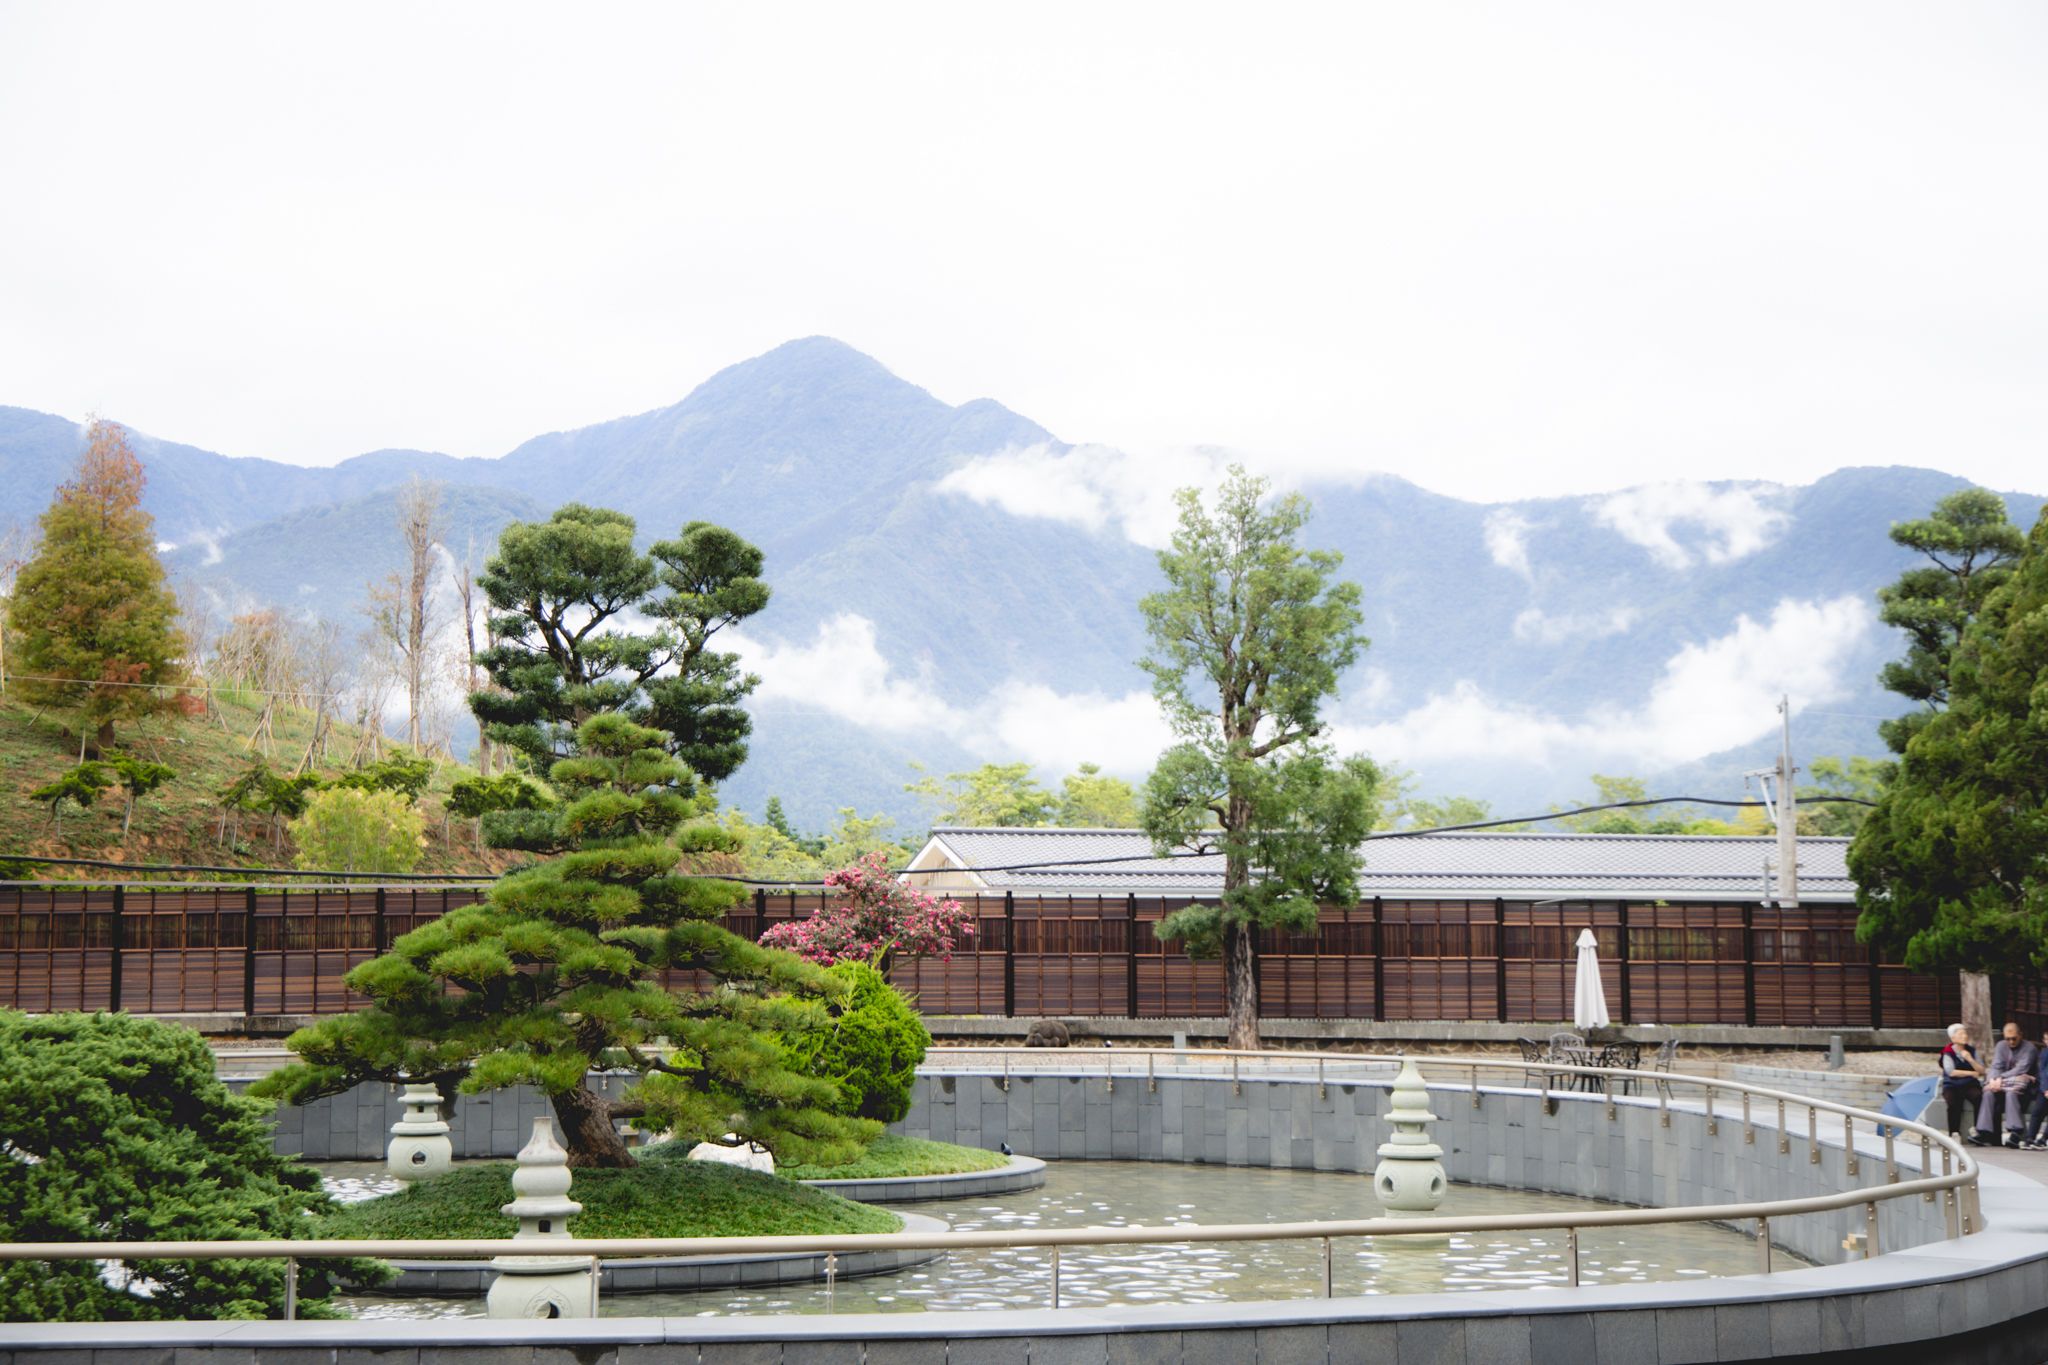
{"x": 1711, "y": 696}
{"x": 1733, "y": 521}
{"x": 1095, "y": 487}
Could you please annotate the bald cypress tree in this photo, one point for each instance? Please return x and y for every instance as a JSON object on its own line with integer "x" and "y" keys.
{"x": 91, "y": 625}
{"x": 558, "y": 975}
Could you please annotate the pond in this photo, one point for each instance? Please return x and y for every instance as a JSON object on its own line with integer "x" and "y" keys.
{"x": 1122, "y": 1193}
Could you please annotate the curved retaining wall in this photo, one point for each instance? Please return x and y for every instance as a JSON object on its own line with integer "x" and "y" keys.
{"x": 1507, "y": 1140}
{"x": 1974, "y": 1299}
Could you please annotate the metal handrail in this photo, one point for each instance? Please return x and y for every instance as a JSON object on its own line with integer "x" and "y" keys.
{"x": 1958, "y": 1186}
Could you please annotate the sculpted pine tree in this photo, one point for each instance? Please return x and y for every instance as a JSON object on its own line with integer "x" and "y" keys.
{"x": 1951, "y": 868}
{"x": 91, "y": 625}
{"x": 562, "y": 592}
{"x": 1248, "y": 640}
{"x": 1970, "y": 547}
{"x": 559, "y": 973}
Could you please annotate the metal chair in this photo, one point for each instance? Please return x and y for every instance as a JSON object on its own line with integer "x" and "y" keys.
{"x": 1533, "y": 1053}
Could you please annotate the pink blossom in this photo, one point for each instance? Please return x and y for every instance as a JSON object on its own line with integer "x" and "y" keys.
{"x": 875, "y": 918}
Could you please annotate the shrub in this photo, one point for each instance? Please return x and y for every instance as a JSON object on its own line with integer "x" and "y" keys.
{"x": 346, "y": 829}
{"x": 871, "y": 1049}
{"x": 116, "y": 1128}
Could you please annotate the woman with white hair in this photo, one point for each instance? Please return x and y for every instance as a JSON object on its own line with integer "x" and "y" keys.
{"x": 1962, "y": 1079}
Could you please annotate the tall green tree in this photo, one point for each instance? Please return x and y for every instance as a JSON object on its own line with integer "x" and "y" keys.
{"x": 582, "y": 622}
{"x": 1969, "y": 546}
{"x": 1093, "y": 799}
{"x": 1951, "y": 868}
{"x": 993, "y": 795}
{"x": 559, "y": 973}
{"x": 91, "y": 624}
{"x": 1248, "y": 641}
{"x": 1822, "y": 809}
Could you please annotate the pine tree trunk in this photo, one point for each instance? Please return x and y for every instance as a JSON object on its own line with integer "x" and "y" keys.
{"x": 1977, "y": 1010}
{"x": 586, "y": 1120}
{"x": 127, "y": 817}
{"x": 105, "y": 738}
{"x": 1241, "y": 986}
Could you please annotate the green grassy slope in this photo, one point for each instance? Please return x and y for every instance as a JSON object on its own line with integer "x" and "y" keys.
{"x": 178, "y": 823}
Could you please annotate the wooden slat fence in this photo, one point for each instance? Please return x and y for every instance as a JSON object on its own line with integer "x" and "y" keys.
{"x": 260, "y": 950}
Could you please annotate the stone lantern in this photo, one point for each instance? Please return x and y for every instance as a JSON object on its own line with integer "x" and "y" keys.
{"x": 1410, "y": 1178}
{"x": 542, "y": 1286}
{"x": 419, "y": 1148}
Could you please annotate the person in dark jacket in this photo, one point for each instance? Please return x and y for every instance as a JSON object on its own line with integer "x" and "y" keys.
{"x": 1962, "y": 1077}
{"x": 2037, "y": 1108}
{"x": 2008, "y": 1083}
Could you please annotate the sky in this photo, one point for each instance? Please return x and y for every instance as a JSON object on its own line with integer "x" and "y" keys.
{"x": 1502, "y": 250}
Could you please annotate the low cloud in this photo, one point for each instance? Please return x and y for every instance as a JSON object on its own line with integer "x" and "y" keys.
{"x": 1507, "y": 540}
{"x": 1539, "y": 627}
{"x": 1711, "y": 696}
{"x": 843, "y": 671}
{"x": 1731, "y": 522}
{"x": 1095, "y": 487}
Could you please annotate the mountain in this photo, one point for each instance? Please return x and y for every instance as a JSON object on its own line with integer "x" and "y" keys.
{"x": 1517, "y": 647}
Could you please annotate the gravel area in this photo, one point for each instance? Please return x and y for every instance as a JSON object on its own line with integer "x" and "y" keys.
{"x": 1857, "y": 1063}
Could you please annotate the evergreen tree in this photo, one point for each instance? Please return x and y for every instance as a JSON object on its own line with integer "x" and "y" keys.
{"x": 1249, "y": 639}
{"x": 114, "y": 1128}
{"x": 1951, "y": 868}
{"x": 560, "y": 973}
{"x": 1970, "y": 547}
{"x": 776, "y": 820}
{"x": 91, "y": 625}
{"x": 562, "y": 592}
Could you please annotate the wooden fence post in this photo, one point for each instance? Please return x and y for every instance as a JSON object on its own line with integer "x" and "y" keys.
{"x": 1131, "y": 955}
{"x": 1749, "y": 965}
{"x": 249, "y": 953}
{"x": 1009, "y": 955}
{"x": 381, "y": 934}
{"x": 1500, "y": 960}
{"x": 1379, "y": 962}
{"x": 1627, "y": 1014}
{"x": 1877, "y": 991}
{"x": 120, "y": 941}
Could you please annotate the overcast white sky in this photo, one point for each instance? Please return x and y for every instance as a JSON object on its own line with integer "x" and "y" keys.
{"x": 1501, "y": 250}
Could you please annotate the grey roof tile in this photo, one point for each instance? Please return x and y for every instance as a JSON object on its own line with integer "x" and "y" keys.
{"x": 1422, "y": 866}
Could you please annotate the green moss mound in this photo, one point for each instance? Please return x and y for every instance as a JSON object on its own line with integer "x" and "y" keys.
{"x": 890, "y": 1156}
{"x": 664, "y": 1196}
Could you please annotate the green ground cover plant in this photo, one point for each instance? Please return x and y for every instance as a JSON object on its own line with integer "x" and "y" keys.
{"x": 892, "y": 1155}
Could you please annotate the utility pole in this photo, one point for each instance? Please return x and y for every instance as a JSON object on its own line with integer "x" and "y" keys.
{"x": 1788, "y": 812}
{"x": 1783, "y": 807}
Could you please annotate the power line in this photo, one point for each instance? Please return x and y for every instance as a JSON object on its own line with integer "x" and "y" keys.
{"x": 906, "y": 871}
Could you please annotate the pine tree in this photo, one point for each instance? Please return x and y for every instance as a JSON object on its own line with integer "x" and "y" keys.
{"x": 1951, "y": 868}
{"x": 91, "y": 624}
{"x": 559, "y": 973}
{"x": 1969, "y": 546}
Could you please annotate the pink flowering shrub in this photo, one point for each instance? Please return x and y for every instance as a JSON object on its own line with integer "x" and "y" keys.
{"x": 876, "y": 917}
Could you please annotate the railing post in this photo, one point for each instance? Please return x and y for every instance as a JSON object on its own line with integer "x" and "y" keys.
{"x": 1329, "y": 1271}
{"x": 1009, "y": 955}
{"x": 1870, "y": 1230}
{"x": 1713, "y": 1119}
{"x": 1849, "y": 1162}
{"x": 1891, "y": 1157}
{"x": 1571, "y": 1249}
{"x": 1784, "y": 1133}
{"x": 1763, "y": 1245}
{"x": 249, "y": 953}
{"x": 120, "y": 942}
{"x": 1812, "y": 1136}
{"x": 831, "y": 1277}
{"x": 1748, "y": 1127}
{"x": 1131, "y": 956}
{"x": 1055, "y": 1277}
{"x": 291, "y": 1289}
{"x": 1926, "y": 1163}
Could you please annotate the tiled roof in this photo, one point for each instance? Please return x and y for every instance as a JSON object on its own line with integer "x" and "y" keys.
{"x": 1422, "y": 866}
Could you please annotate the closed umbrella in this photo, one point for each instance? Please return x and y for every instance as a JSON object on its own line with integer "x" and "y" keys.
{"x": 1589, "y": 999}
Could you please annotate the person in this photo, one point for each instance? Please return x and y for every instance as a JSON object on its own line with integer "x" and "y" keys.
{"x": 2008, "y": 1083}
{"x": 1962, "y": 1077}
{"x": 2037, "y": 1108}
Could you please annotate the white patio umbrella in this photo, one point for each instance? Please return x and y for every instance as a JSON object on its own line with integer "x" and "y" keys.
{"x": 1589, "y": 999}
